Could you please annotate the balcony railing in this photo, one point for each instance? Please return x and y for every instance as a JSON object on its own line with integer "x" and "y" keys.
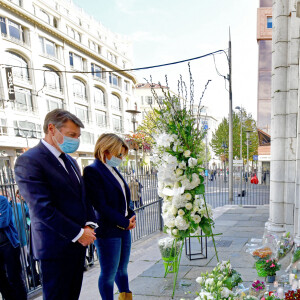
{"x": 54, "y": 88}
{"x": 80, "y": 97}
{"x": 99, "y": 78}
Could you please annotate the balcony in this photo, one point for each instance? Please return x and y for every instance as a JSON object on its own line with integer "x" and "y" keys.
{"x": 100, "y": 79}
{"x": 53, "y": 88}
{"x": 15, "y": 40}
{"x": 80, "y": 97}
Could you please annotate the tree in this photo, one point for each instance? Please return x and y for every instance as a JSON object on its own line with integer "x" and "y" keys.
{"x": 221, "y": 135}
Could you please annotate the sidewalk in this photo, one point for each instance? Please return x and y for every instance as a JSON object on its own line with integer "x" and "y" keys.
{"x": 146, "y": 270}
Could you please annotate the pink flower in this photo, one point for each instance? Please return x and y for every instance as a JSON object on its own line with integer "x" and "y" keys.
{"x": 272, "y": 266}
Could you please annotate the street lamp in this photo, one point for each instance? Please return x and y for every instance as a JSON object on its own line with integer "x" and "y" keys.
{"x": 134, "y": 113}
{"x": 25, "y": 134}
{"x": 241, "y": 150}
{"x": 248, "y": 142}
{"x": 224, "y": 146}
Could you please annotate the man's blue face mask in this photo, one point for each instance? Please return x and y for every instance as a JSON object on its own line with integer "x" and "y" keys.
{"x": 69, "y": 145}
{"x": 114, "y": 161}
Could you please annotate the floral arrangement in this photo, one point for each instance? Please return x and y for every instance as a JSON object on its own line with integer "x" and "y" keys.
{"x": 285, "y": 244}
{"x": 139, "y": 140}
{"x": 296, "y": 254}
{"x": 291, "y": 295}
{"x": 169, "y": 247}
{"x": 258, "y": 286}
{"x": 262, "y": 253}
{"x": 219, "y": 283}
{"x": 270, "y": 297}
{"x": 271, "y": 266}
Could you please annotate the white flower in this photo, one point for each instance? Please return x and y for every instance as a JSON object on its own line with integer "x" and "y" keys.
{"x": 174, "y": 210}
{"x": 179, "y": 172}
{"x": 174, "y": 148}
{"x": 199, "y": 280}
{"x": 180, "y": 212}
{"x": 188, "y": 196}
{"x": 187, "y": 153}
{"x": 181, "y": 224}
{"x": 189, "y": 206}
{"x": 209, "y": 281}
{"x": 192, "y": 162}
{"x": 182, "y": 165}
{"x": 225, "y": 292}
{"x": 175, "y": 231}
{"x": 196, "y": 219}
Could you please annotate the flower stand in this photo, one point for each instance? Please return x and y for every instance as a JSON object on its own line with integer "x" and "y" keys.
{"x": 202, "y": 254}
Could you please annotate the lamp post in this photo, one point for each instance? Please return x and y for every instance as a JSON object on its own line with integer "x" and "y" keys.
{"x": 241, "y": 151}
{"x": 224, "y": 146}
{"x": 248, "y": 142}
{"x": 25, "y": 134}
{"x": 134, "y": 113}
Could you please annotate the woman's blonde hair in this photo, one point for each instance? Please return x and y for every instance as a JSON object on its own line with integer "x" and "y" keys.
{"x": 109, "y": 142}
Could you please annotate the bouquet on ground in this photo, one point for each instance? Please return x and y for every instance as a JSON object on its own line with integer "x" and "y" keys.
{"x": 169, "y": 247}
{"x": 257, "y": 288}
{"x": 271, "y": 266}
{"x": 270, "y": 297}
{"x": 291, "y": 295}
{"x": 285, "y": 244}
{"x": 219, "y": 283}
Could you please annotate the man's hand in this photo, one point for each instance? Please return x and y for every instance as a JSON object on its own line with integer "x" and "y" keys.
{"x": 88, "y": 236}
{"x": 132, "y": 223}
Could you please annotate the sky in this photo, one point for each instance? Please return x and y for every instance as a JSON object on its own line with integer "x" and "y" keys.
{"x": 164, "y": 31}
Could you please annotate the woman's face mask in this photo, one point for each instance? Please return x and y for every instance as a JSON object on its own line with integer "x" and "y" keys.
{"x": 114, "y": 161}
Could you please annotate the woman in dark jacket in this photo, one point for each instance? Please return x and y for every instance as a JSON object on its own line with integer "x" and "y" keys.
{"x": 110, "y": 197}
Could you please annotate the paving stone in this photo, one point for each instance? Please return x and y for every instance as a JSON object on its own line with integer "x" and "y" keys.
{"x": 235, "y": 217}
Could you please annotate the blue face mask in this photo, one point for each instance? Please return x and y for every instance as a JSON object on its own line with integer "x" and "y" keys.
{"x": 114, "y": 161}
{"x": 69, "y": 145}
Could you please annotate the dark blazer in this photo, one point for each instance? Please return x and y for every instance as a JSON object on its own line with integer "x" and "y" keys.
{"x": 107, "y": 197}
{"x": 57, "y": 210}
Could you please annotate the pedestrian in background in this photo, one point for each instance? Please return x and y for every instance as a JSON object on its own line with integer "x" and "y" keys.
{"x": 12, "y": 286}
{"x": 110, "y": 197}
{"x": 136, "y": 192}
{"x": 62, "y": 220}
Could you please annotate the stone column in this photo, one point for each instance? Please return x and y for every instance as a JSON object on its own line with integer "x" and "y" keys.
{"x": 278, "y": 115}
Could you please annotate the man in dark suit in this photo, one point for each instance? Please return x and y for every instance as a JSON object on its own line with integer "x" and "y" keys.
{"x": 62, "y": 219}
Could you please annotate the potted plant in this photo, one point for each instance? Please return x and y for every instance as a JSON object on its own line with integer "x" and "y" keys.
{"x": 271, "y": 266}
{"x": 257, "y": 288}
{"x": 290, "y": 295}
{"x": 169, "y": 249}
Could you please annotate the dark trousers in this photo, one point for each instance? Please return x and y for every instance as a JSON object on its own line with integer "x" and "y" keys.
{"x": 11, "y": 280}
{"x": 113, "y": 256}
{"x": 62, "y": 277}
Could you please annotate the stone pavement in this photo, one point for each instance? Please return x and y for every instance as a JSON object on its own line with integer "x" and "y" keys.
{"x": 146, "y": 271}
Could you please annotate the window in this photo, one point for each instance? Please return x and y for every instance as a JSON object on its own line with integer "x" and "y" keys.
{"x": 101, "y": 118}
{"x": 97, "y": 71}
{"x": 87, "y": 137}
{"x": 127, "y": 86}
{"x": 115, "y": 103}
{"x": 15, "y": 30}
{"x": 93, "y": 46}
{"x": 29, "y": 129}
{"x": 52, "y": 80}
{"x": 74, "y": 34}
{"x": 148, "y": 100}
{"x": 99, "y": 97}
{"x": 269, "y": 22}
{"x": 41, "y": 14}
{"x": 3, "y": 26}
{"x": 79, "y": 89}
{"x": 114, "y": 79}
{"x": 76, "y": 61}
{"x": 3, "y": 127}
{"x": 82, "y": 113}
{"x": 21, "y": 70}
{"x": 117, "y": 123}
{"x": 112, "y": 57}
{"x": 23, "y": 100}
{"x": 53, "y": 103}
{"x": 48, "y": 47}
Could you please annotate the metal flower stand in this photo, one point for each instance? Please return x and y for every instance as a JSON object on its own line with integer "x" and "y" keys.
{"x": 201, "y": 248}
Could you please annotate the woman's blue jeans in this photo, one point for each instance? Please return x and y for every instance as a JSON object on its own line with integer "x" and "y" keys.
{"x": 113, "y": 256}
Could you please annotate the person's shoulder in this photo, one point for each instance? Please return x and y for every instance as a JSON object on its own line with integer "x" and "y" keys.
{"x": 32, "y": 153}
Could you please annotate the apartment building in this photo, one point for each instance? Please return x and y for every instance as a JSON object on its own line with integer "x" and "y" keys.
{"x": 60, "y": 57}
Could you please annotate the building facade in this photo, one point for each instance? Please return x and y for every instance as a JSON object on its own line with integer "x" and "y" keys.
{"x": 285, "y": 121}
{"x": 60, "y": 58}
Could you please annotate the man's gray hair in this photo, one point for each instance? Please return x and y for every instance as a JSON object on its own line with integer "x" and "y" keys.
{"x": 58, "y": 117}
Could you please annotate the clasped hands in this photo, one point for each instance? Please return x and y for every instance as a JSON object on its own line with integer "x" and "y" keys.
{"x": 88, "y": 237}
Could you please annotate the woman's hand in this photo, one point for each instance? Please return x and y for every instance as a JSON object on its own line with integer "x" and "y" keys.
{"x": 132, "y": 223}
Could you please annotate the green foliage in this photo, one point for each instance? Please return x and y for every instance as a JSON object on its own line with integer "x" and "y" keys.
{"x": 222, "y": 135}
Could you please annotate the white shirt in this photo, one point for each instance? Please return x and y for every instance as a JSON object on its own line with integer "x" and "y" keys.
{"x": 57, "y": 153}
{"x": 111, "y": 169}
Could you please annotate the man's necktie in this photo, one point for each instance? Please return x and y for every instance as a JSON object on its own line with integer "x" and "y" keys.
{"x": 71, "y": 171}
